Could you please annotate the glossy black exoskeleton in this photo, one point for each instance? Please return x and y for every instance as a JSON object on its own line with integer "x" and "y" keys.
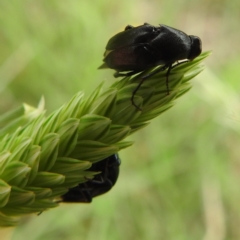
{"x": 139, "y": 48}
{"x": 100, "y": 184}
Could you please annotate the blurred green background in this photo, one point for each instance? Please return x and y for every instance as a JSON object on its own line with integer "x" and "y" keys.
{"x": 180, "y": 180}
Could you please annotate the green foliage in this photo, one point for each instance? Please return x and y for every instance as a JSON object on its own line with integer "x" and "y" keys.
{"x": 46, "y": 156}
{"x": 180, "y": 179}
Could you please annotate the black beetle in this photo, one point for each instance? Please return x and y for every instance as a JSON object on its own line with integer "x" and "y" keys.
{"x": 139, "y": 48}
{"x": 100, "y": 184}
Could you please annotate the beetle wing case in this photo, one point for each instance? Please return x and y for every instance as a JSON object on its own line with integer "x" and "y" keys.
{"x": 123, "y": 59}
{"x": 132, "y": 36}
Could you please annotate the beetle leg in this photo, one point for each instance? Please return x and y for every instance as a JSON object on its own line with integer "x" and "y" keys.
{"x": 146, "y": 77}
{"x": 170, "y": 67}
{"x": 81, "y": 193}
{"x": 179, "y": 63}
{"x": 128, "y": 74}
{"x": 134, "y": 93}
{"x": 156, "y": 71}
{"x": 85, "y": 194}
{"x": 167, "y": 66}
{"x": 100, "y": 179}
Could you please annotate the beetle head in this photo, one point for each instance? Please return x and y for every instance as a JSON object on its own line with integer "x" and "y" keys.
{"x": 196, "y": 47}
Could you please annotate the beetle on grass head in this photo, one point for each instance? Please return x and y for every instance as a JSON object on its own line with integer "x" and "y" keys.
{"x": 139, "y": 48}
{"x": 100, "y": 184}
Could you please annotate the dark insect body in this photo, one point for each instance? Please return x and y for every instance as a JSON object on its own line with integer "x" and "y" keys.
{"x": 137, "y": 49}
{"x": 100, "y": 184}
